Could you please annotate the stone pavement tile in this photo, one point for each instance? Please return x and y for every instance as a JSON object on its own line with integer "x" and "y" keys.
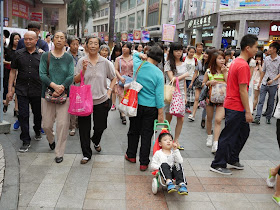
{"x": 78, "y": 176}
{"x": 266, "y": 205}
{"x": 68, "y": 160}
{"x": 216, "y": 181}
{"x": 192, "y": 180}
{"x": 105, "y": 191}
{"x": 198, "y": 154}
{"x": 199, "y": 161}
{"x": 134, "y": 169}
{"x": 138, "y": 179}
{"x": 193, "y": 205}
{"x": 200, "y": 167}
{"x": 256, "y": 189}
{"x": 195, "y": 188}
{"x": 34, "y": 174}
{"x": 71, "y": 197}
{"x": 23, "y": 167}
{"x": 26, "y": 158}
{"x": 98, "y": 171}
{"x": 222, "y": 188}
{"x": 262, "y": 175}
{"x": 151, "y": 205}
{"x": 233, "y": 205}
{"x": 21, "y": 208}
{"x": 248, "y": 181}
{"x": 231, "y": 197}
{"x": 36, "y": 208}
{"x": 26, "y": 193}
{"x": 44, "y": 159}
{"x": 259, "y": 198}
{"x": 57, "y": 174}
{"x": 208, "y": 174}
{"x": 193, "y": 196}
{"x": 260, "y": 169}
{"x": 266, "y": 163}
{"x": 109, "y": 158}
{"x": 110, "y": 178}
{"x": 68, "y": 208}
{"x": 275, "y": 162}
{"x": 246, "y": 173}
{"x": 46, "y": 195}
{"x": 189, "y": 172}
{"x": 100, "y": 204}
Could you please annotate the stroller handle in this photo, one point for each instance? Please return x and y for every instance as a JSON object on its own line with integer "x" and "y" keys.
{"x": 165, "y": 123}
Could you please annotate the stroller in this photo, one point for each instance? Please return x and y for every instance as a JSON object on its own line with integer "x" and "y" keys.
{"x": 158, "y": 180}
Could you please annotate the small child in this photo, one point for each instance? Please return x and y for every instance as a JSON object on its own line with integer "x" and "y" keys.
{"x": 168, "y": 162}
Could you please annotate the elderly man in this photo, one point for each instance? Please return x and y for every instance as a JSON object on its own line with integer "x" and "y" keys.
{"x": 28, "y": 87}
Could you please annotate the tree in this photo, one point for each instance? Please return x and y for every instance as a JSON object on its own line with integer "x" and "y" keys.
{"x": 79, "y": 11}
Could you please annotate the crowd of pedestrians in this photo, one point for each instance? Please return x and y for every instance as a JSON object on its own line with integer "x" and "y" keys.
{"x": 214, "y": 80}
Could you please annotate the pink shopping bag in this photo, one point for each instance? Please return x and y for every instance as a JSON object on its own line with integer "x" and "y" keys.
{"x": 81, "y": 103}
{"x": 177, "y": 105}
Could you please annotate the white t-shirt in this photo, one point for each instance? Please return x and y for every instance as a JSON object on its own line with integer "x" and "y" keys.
{"x": 190, "y": 65}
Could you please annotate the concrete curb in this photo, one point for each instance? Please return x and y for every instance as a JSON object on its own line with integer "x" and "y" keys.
{"x": 10, "y": 190}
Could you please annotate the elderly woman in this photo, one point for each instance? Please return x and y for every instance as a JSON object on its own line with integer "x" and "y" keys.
{"x": 96, "y": 70}
{"x": 150, "y": 105}
{"x": 56, "y": 72}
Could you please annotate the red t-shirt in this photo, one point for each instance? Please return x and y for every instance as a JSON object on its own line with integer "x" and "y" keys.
{"x": 239, "y": 73}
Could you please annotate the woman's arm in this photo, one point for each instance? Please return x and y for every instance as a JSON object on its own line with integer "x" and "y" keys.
{"x": 205, "y": 79}
{"x": 193, "y": 78}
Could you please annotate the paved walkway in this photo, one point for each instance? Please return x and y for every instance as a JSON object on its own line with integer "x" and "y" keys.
{"x": 110, "y": 182}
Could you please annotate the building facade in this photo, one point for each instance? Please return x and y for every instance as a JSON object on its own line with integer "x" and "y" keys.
{"x": 52, "y": 14}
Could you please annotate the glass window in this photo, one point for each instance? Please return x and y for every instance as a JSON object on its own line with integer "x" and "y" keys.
{"x": 50, "y": 19}
{"x": 116, "y": 26}
{"x": 106, "y": 11}
{"x": 131, "y": 20}
{"x": 140, "y": 19}
{"x": 102, "y": 28}
{"x": 132, "y": 4}
{"x": 140, "y": 2}
{"x": 123, "y": 6}
{"x": 97, "y": 14}
{"x": 106, "y": 27}
{"x": 123, "y": 24}
{"x": 102, "y": 12}
{"x": 94, "y": 28}
{"x": 153, "y": 19}
{"x": 117, "y": 10}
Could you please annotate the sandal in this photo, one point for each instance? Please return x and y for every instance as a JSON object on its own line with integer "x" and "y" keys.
{"x": 84, "y": 160}
{"x": 123, "y": 120}
{"x": 5, "y": 108}
{"x": 97, "y": 148}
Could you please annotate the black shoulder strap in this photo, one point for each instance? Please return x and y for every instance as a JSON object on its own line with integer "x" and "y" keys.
{"x": 48, "y": 62}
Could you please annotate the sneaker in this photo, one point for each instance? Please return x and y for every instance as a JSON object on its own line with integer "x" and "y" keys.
{"x": 16, "y": 125}
{"x": 220, "y": 170}
{"x": 188, "y": 110}
{"x": 143, "y": 167}
{"x": 209, "y": 141}
{"x": 72, "y": 132}
{"x": 270, "y": 180}
{"x": 214, "y": 147}
{"x": 113, "y": 108}
{"x": 236, "y": 165}
{"x": 191, "y": 118}
{"x": 276, "y": 200}
{"x": 257, "y": 121}
{"x": 24, "y": 147}
{"x": 38, "y": 137}
{"x": 42, "y": 131}
{"x": 202, "y": 124}
{"x": 268, "y": 121}
{"x": 264, "y": 114}
{"x": 183, "y": 190}
{"x": 171, "y": 187}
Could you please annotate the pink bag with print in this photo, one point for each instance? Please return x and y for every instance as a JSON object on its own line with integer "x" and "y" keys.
{"x": 177, "y": 105}
{"x": 81, "y": 103}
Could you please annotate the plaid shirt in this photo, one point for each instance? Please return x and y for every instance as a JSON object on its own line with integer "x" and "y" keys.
{"x": 271, "y": 68}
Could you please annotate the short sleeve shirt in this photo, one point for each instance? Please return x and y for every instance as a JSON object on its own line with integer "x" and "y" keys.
{"x": 271, "y": 69}
{"x": 239, "y": 73}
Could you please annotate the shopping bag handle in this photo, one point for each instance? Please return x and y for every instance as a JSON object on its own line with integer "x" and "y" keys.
{"x": 82, "y": 78}
{"x": 177, "y": 84}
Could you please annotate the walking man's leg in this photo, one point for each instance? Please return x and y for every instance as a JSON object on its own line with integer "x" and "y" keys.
{"x": 263, "y": 92}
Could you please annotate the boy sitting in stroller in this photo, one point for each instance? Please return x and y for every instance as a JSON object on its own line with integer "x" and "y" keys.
{"x": 168, "y": 162}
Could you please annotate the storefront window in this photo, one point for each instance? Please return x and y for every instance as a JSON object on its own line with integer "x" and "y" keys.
{"x": 116, "y": 26}
{"x": 131, "y": 20}
{"x": 106, "y": 11}
{"x": 140, "y": 15}
{"x": 18, "y": 22}
{"x": 153, "y": 19}
{"x": 131, "y": 4}
{"x": 102, "y": 12}
{"x": 123, "y": 6}
{"x": 140, "y": 2}
{"x": 123, "y": 24}
{"x": 51, "y": 18}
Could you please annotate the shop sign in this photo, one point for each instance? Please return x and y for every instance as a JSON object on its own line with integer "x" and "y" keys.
{"x": 137, "y": 36}
{"x": 124, "y": 37}
{"x": 276, "y": 38}
{"x": 185, "y": 40}
{"x": 153, "y": 7}
{"x": 5, "y": 21}
{"x": 36, "y": 16}
{"x": 260, "y": 43}
{"x": 130, "y": 38}
{"x": 168, "y": 32}
{"x": 201, "y": 22}
{"x": 274, "y": 28}
{"x": 254, "y": 30}
{"x": 20, "y": 9}
{"x": 228, "y": 34}
{"x": 207, "y": 35}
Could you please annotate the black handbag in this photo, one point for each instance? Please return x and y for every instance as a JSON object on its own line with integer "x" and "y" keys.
{"x": 203, "y": 93}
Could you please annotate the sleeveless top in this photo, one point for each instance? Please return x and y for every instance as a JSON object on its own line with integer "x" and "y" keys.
{"x": 217, "y": 77}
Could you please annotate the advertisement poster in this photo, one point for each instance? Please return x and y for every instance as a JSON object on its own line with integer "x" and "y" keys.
{"x": 36, "y": 16}
{"x": 172, "y": 5}
{"x": 20, "y": 9}
{"x": 181, "y": 12}
{"x": 145, "y": 38}
{"x": 130, "y": 38}
{"x": 137, "y": 36}
{"x": 168, "y": 32}
{"x": 245, "y": 4}
{"x": 124, "y": 37}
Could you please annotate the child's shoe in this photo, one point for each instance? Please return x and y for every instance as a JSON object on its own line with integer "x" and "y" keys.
{"x": 271, "y": 180}
{"x": 276, "y": 200}
{"x": 183, "y": 190}
{"x": 171, "y": 187}
{"x": 16, "y": 125}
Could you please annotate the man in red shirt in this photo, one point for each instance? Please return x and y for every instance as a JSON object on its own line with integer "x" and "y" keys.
{"x": 237, "y": 110}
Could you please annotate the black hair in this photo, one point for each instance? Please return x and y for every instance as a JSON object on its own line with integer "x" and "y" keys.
{"x": 171, "y": 58}
{"x": 93, "y": 37}
{"x": 117, "y": 47}
{"x": 237, "y": 53}
{"x": 155, "y": 53}
{"x": 228, "y": 52}
{"x": 199, "y": 44}
{"x": 137, "y": 45}
{"x": 71, "y": 39}
{"x": 34, "y": 24}
{"x": 259, "y": 54}
{"x": 265, "y": 50}
{"x": 12, "y": 38}
{"x": 248, "y": 40}
{"x": 65, "y": 35}
{"x": 163, "y": 135}
{"x": 191, "y": 47}
{"x": 128, "y": 45}
{"x": 275, "y": 45}
{"x": 160, "y": 44}
{"x": 48, "y": 35}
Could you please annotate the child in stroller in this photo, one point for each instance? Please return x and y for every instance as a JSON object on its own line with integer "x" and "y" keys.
{"x": 169, "y": 163}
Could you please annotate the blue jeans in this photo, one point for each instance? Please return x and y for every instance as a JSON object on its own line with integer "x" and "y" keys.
{"x": 271, "y": 90}
{"x": 232, "y": 139}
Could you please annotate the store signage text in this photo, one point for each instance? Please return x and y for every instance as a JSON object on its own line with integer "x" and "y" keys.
{"x": 274, "y": 28}
{"x": 20, "y": 9}
{"x": 154, "y": 7}
{"x": 276, "y": 38}
{"x": 254, "y": 30}
{"x": 229, "y": 33}
{"x": 201, "y": 22}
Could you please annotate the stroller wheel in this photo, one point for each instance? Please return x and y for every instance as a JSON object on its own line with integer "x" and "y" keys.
{"x": 155, "y": 186}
